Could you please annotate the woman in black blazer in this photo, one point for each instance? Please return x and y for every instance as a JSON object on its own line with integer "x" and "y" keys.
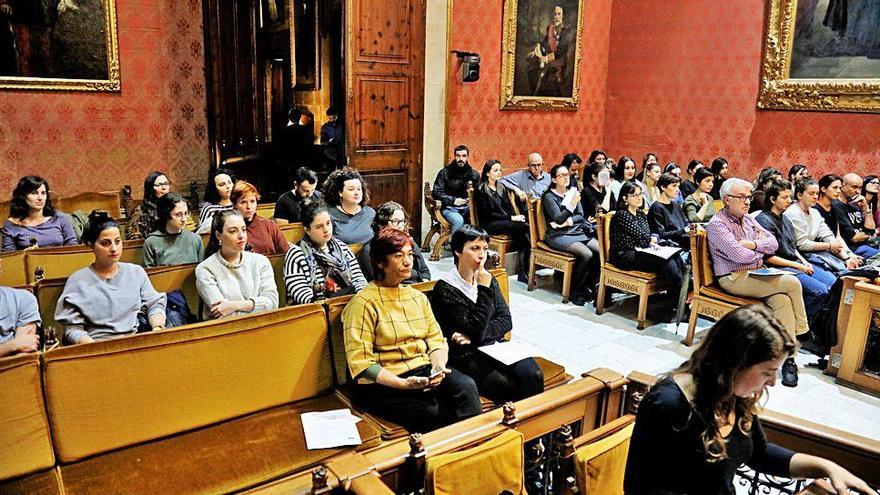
{"x": 497, "y": 215}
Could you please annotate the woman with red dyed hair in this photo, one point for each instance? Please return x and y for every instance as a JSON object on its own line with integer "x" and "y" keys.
{"x": 395, "y": 349}
{"x": 264, "y": 236}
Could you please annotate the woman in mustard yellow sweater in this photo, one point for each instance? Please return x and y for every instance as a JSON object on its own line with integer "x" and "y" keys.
{"x": 395, "y": 349}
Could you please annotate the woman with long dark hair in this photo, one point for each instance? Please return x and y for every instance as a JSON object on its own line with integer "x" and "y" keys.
{"x": 700, "y": 422}
{"x": 870, "y": 190}
{"x": 145, "y": 218}
{"x": 346, "y": 194}
{"x": 218, "y": 194}
{"x": 32, "y": 219}
{"x": 721, "y": 169}
{"x": 497, "y": 216}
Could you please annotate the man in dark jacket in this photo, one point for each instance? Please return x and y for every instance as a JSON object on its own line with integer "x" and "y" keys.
{"x": 450, "y": 188}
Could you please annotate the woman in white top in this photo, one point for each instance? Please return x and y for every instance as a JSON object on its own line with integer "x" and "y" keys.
{"x": 623, "y": 172}
{"x": 813, "y": 238}
{"x": 232, "y": 281}
{"x": 650, "y": 176}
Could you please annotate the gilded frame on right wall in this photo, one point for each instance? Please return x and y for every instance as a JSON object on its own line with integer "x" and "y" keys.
{"x": 821, "y": 55}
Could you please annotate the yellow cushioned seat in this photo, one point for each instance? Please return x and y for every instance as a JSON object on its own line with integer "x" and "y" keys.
{"x": 25, "y": 440}
{"x": 600, "y": 465}
{"x": 222, "y": 458}
{"x": 487, "y": 469}
{"x": 46, "y": 482}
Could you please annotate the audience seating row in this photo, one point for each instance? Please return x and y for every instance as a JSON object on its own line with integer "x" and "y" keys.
{"x": 109, "y": 201}
{"x": 175, "y": 406}
{"x": 27, "y": 267}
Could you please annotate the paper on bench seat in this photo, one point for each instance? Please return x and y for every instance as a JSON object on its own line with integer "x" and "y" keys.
{"x": 330, "y": 429}
{"x": 510, "y": 352}
{"x": 664, "y": 252}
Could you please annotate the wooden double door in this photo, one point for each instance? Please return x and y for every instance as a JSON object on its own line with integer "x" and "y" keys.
{"x": 383, "y": 77}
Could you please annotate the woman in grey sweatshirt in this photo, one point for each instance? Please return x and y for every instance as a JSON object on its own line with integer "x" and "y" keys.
{"x": 101, "y": 301}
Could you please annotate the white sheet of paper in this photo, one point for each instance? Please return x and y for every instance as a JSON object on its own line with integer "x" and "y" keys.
{"x": 767, "y": 272}
{"x": 566, "y": 200}
{"x": 330, "y": 429}
{"x": 510, "y": 352}
{"x": 662, "y": 251}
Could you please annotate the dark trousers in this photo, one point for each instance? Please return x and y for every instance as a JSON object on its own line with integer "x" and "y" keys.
{"x": 499, "y": 382}
{"x": 521, "y": 241}
{"x": 672, "y": 269}
{"x": 456, "y": 398}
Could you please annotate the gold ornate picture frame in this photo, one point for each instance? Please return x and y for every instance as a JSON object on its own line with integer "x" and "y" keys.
{"x": 71, "y": 47}
{"x": 541, "y": 54}
{"x": 780, "y": 91}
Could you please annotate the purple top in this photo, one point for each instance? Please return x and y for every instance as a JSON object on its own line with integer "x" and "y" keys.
{"x": 725, "y": 231}
{"x": 56, "y": 231}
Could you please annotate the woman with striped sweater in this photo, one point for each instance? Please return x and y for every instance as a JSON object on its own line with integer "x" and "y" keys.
{"x": 320, "y": 266}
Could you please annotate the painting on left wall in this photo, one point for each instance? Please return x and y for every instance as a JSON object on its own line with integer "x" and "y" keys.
{"x": 59, "y": 45}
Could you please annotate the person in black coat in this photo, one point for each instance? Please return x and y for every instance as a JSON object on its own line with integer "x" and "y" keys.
{"x": 496, "y": 214}
{"x": 597, "y": 190}
{"x": 470, "y": 308}
{"x": 451, "y": 185}
{"x": 666, "y": 217}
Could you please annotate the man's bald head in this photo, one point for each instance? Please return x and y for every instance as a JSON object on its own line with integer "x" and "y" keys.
{"x": 852, "y": 186}
{"x": 536, "y": 164}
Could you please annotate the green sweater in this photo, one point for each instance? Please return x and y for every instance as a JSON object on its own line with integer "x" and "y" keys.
{"x": 161, "y": 249}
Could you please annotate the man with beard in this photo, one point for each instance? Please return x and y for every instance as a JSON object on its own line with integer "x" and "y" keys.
{"x": 450, "y": 187}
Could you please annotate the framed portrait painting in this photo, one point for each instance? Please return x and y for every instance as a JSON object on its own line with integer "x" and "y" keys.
{"x": 821, "y": 55}
{"x": 59, "y": 45}
{"x": 541, "y": 53}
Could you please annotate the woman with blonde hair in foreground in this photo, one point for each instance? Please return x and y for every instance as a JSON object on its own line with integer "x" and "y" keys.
{"x": 698, "y": 424}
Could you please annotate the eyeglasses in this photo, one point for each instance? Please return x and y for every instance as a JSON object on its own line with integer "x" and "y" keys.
{"x": 745, "y": 198}
{"x": 397, "y": 223}
{"x": 161, "y": 184}
{"x": 535, "y": 165}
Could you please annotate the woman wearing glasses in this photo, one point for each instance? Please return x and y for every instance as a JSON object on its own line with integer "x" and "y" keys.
{"x": 870, "y": 190}
{"x": 569, "y": 231}
{"x": 145, "y": 218}
{"x": 172, "y": 244}
{"x": 391, "y": 214}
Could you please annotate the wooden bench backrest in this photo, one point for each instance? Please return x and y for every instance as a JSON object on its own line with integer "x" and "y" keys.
{"x": 293, "y": 232}
{"x": 47, "y": 292}
{"x": 266, "y": 210}
{"x": 334, "y": 320}
{"x": 183, "y": 277}
{"x": 13, "y": 271}
{"x": 277, "y": 262}
{"x": 25, "y": 439}
{"x": 118, "y": 393}
{"x": 58, "y": 262}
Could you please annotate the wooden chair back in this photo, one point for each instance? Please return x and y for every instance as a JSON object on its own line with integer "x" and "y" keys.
{"x": 430, "y": 203}
{"x": 603, "y": 230}
{"x": 48, "y": 292}
{"x": 718, "y": 204}
{"x": 62, "y": 262}
{"x": 13, "y": 270}
{"x": 600, "y": 457}
{"x": 536, "y": 231}
{"x": 472, "y": 205}
{"x": 277, "y": 262}
{"x": 701, "y": 261}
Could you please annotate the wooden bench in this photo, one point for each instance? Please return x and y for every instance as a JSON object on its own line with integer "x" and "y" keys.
{"x": 554, "y": 374}
{"x": 13, "y": 271}
{"x": 293, "y": 232}
{"x": 57, "y": 262}
{"x": 439, "y": 225}
{"x": 500, "y": 243}
{"x": 27, "y": 461}
{"x": 709, "y": 300}
{"x": 109, "y": 201}
{"x": 642, "y": 284}
{"x": 167, "y": 412}
{"x": 398, "y": 466}
{"x": 542, "y": 254}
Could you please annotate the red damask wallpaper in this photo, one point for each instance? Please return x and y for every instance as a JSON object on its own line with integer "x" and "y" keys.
{"x": 474, "y": 115}
{"x": 86, "y": 142}
{"x": 683, "y": 82}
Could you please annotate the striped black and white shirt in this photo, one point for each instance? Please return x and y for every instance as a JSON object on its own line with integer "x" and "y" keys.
{"x": 206, "y": 215}
{"x": 299, "y": 274}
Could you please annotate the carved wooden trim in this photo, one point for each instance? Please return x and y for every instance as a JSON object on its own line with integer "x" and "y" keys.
{"x": 777, "y": 91}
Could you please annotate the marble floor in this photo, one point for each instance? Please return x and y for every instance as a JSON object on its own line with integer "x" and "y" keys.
{"x": 578, "y": 339}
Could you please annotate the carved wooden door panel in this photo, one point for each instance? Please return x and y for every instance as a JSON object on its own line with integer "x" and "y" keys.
{"x": 385, "y": 60}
